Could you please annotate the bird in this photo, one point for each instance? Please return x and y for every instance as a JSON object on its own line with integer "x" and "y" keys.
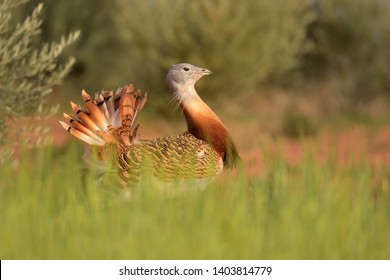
{"x": 107, "y": 125}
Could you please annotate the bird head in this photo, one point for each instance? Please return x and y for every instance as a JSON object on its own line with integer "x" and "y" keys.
{"x": 184, "y": 75}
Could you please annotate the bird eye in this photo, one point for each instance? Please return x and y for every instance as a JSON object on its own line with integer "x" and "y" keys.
{"x": 186, "y": 68}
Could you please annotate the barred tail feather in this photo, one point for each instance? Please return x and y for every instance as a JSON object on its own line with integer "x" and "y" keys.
{"x": 83, "y": 117}
{"x": 108, "y": 119}
{"x": 131, "y": 103}
{"x": 79, "y": 126}
{"x": 99, "y": 101}
{"x": 95, "y": 113}
{"x": 83, "y": 137}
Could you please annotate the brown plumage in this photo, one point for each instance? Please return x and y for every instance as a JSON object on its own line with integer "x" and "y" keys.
{"x": 108, "y": 123}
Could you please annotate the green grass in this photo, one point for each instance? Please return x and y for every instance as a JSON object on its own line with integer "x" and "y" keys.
{"x": 309, "y": 211}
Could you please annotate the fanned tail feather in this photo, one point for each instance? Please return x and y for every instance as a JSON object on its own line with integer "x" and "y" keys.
{"x": 95, "y": 112}
{"x": 131, "y": 103}
{"x": 82, "y": 136}
{"x": 79, "y": 126}
{"x": 108, "y": 119}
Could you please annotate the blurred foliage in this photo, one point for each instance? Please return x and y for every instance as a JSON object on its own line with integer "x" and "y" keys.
{"x": 341, "y": 45}
{"x": 98, "y": 51}
{"x": 244, "y": 44}
{"x": 296, "y": 124}
{"x": 352, "y": 42}
{"x": 312, "y": 210}
{"x": 27, "y": 72}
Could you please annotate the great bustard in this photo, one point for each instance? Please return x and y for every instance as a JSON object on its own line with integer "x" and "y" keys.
{"x": 108, "y": 123}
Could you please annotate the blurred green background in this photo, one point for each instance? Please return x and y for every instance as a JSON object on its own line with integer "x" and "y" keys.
{"x": 303, "y": 86}
{"x": 327, "y": 50}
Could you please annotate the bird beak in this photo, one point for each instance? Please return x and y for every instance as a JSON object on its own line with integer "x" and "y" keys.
{"x": 206, "y": 72}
